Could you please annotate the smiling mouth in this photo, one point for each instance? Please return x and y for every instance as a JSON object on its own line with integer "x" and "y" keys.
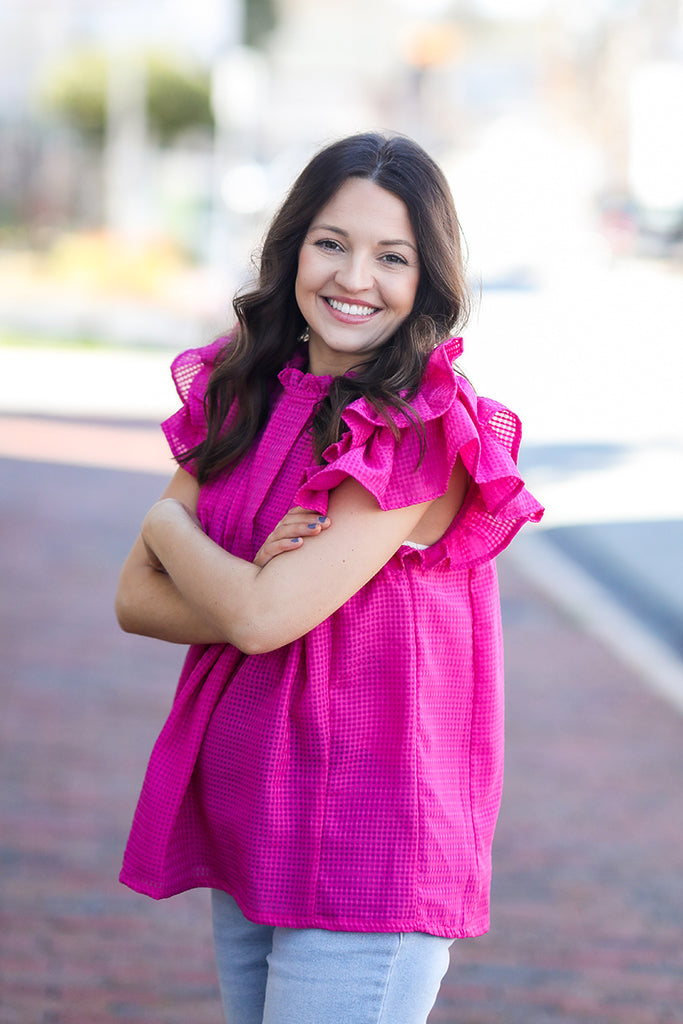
{"x": 351, "y": 309}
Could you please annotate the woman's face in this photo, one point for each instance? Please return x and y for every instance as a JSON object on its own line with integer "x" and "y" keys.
{"x": 357, "y": 276}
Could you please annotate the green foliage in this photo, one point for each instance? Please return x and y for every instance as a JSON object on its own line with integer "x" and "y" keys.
{"x": 76, "y": 91}
{"x": 178, "y": 98}
{"x": 178, "y": 95}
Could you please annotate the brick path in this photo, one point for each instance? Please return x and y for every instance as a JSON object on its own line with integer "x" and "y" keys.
{"x": 588, "y": 891}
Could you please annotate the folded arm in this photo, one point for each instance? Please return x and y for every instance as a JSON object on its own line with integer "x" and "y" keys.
{"x": 149, "y": 603}
{"x": 211, "y": 596}
{"x": 147, "y": 600}
{"x": 259, "y": 609}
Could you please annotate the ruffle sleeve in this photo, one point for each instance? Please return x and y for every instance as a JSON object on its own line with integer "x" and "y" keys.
{"x": 484, "y": 433}
{"x": 191, "y": 370}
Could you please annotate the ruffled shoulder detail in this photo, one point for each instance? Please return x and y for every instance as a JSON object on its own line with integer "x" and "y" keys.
{"x": 191, "y": 371}
{"x": 485, "y": 434}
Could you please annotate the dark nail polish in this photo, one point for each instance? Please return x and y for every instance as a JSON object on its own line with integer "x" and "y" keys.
{"x": 322, "y": 519}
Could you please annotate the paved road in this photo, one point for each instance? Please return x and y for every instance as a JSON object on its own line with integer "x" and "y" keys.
{"x": 588, "y": 891}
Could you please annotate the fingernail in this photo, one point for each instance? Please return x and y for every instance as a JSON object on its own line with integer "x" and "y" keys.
{"x": 322, "y": 519}
{"x": 312, "y": 526}
{"x": 295, "y": 540}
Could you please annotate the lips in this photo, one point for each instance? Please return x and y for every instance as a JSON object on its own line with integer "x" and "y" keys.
{"x": 349, "y": 309}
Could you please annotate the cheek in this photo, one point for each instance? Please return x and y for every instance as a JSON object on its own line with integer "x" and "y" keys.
{"x": 309, "y": 270}
{"x": 405, "y": 298}
{"x": 301, "y": 284}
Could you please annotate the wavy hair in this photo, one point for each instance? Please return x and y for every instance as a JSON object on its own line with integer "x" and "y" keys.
{"x": 269, "y": 322}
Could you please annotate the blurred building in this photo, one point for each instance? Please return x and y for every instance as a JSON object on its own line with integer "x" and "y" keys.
{"x": 49, "y": 177}
{"x": 443, "y": 71}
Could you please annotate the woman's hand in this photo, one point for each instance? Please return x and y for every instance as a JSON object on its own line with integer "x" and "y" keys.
{"x": 290, "y": 533}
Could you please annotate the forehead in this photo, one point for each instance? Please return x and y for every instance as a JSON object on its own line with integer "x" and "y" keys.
{"x": 361, "y": 203}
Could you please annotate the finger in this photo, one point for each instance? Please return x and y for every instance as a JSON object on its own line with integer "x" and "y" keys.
{"x": 276, "y": 547}
{"x": 310, "y": 514}
{"x": 290, "y": 533}
{"x": 292, "y": 525}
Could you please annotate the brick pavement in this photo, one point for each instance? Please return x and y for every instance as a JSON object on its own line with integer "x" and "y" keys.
{"x": 588, "y": 876}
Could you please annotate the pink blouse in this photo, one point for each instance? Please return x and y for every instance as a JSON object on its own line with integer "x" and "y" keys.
{"x": 349, "y": 780}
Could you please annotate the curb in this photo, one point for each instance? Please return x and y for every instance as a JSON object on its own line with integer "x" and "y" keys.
{"x": 594, "y": 609}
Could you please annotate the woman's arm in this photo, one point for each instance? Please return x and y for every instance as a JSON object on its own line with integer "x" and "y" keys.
{"x": 258, "y": 608}
{"x": 147, "y": 600}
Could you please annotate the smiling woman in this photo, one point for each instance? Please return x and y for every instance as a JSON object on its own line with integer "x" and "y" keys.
{"x": 357, "y": 276}
{"x": 272, "y": 324}
{"x": 332, "y": 764}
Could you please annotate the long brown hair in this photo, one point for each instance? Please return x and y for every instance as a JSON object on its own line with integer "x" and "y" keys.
{"x": 270, "y": 322}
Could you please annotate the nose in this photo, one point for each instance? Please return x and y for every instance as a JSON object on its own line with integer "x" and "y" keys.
{"x": 355, "y": 274}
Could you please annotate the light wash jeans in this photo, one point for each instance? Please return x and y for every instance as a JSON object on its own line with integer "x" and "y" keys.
{"x": 312, "y": 976}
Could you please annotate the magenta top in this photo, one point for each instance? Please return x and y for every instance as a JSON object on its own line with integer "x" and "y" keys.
{"x": 351, "y": 779}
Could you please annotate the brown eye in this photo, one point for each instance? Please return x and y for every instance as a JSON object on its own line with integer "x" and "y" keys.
{"x": 394, "y": 257}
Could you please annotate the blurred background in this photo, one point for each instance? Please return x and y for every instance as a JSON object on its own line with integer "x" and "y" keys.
{"x": 142, "y": 140}
{"x": 143, "y": 148}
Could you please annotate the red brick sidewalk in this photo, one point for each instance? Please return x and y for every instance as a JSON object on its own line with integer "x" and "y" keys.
{"x": 588, "y": 893}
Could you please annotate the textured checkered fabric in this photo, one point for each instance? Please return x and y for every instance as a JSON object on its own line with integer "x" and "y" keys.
{"x": 350, "y": 780}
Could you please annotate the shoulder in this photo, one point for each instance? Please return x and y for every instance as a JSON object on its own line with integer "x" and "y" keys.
{"x": 403, "y": 457}
{"x": 191, "y": 371}
{"x": 193, "y": 367}
{"x": 402, "y": 463}
{"x": 441, "y": 380}
{"x": 437, "y": 391}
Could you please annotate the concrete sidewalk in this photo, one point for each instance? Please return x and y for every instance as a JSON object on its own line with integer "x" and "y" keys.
{"x": 588, "y": 875}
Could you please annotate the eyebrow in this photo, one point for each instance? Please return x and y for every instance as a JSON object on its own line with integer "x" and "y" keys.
{"x": 383, "y": 241}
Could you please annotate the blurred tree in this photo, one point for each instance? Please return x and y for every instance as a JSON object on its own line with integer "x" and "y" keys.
{"x": 178, "y": 98}
{"x": 177, "y": 95}
{"x": 259, "y": 20}
{"x": 76, "y": 90}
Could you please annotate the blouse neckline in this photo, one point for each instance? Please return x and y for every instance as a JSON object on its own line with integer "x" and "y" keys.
{"x": 296, "y": 380}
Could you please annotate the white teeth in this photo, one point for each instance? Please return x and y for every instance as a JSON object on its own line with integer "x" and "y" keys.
{"x": 344, "y": 307}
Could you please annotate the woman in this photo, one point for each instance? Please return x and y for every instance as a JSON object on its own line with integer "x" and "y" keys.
{"x": 332, "y": 764}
